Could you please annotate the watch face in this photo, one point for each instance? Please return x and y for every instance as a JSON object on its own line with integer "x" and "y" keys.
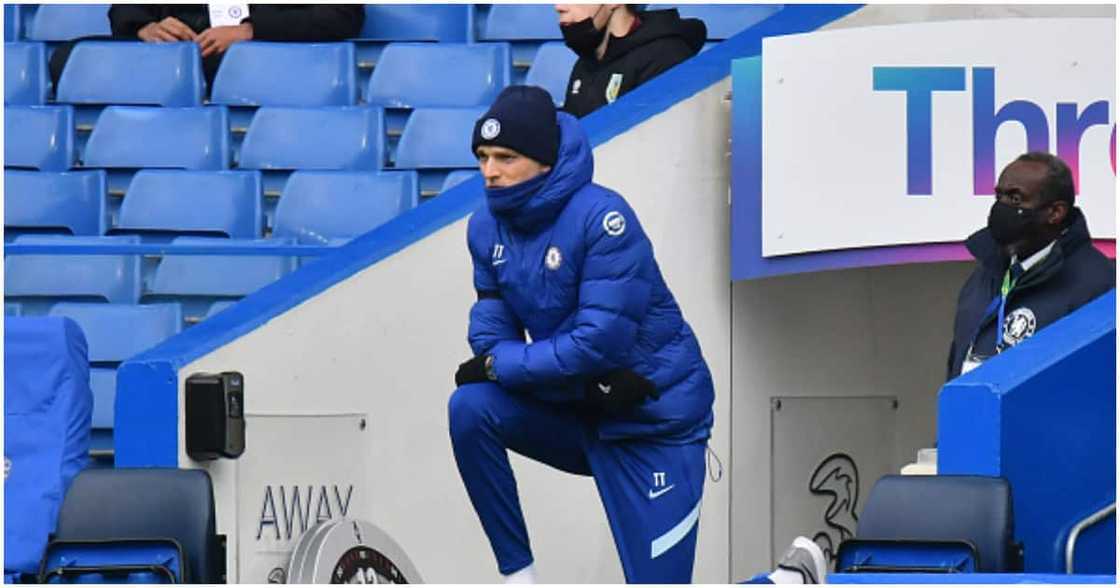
{"x": 365, "y": 565}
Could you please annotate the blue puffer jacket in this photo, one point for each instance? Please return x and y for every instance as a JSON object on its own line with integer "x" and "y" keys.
{"x": 570, "y": 264}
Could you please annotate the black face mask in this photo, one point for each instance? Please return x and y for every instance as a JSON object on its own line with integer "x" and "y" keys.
{"x": 582, "y": 37}
{"x": 1009, "y": 224}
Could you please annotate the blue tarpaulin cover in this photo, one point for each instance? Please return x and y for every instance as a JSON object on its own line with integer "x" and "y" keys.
{"x": 47, "y": 410}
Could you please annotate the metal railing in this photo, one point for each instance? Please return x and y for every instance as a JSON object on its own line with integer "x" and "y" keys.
{"x": 1085, "y": 523}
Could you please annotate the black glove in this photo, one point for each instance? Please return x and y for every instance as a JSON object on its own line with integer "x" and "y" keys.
{"x": 619, "y": 391}
{"x": 472, "y": 371}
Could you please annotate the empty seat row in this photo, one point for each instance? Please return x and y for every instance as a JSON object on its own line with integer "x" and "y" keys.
{"x": 258, "y": 73}
{"x": 131, "y": 137}
{"x": 316, "y": 206}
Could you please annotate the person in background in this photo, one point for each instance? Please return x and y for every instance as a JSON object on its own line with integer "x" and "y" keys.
{"x": 620, "y": 47}
{"x": 215, "y": 27}
{"x": 1036, "y": 263}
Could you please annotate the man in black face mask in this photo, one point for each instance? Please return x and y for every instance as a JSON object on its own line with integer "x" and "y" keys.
{"x": 1036, "y": 263}
{"x": 620, "y": 47}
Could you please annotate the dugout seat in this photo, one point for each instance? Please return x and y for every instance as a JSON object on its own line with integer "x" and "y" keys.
{"x": 147, "y": 503}
{"x": 923, "y": 513}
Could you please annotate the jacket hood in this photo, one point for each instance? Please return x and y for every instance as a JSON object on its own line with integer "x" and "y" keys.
{"x": 658, "y": 24}
{"x": 573, "y": 170}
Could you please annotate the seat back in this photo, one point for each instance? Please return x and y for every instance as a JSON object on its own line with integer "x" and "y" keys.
{"x": 287, "y": 74}
{"x": 71, "y": 202}
{"x": 215, "y": 276}
{"x": 551, "y": 69}
{"x": 39, "y": 137}
{"x": 63, "y": 22}
{"x": 112, "y": 278}
{"x": 143, "y": 503}
{"x": 25, "y": 74}
{"x": 180, "y": 138}
{"x": 438, "y": 138}
{"x": 225, "y": 203}
{"x": 521, "y": 22}
{"x": 412, "y": 75}
{"x": 975, "y": 509}
{"x": 116, "y": 332}
{"x": 318, "y": 207}
{"x": 111, "y": 72}
{"x": 415, "y": 22}
{"x": 345, "y": 137}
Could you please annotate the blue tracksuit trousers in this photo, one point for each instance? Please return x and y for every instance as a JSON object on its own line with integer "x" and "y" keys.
{"x": 651, "y": 491}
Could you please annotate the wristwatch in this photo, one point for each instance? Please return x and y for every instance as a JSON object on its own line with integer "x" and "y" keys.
{"x": 488, "y": 365}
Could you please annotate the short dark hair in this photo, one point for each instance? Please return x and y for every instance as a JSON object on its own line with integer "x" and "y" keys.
{"x": 1058, "y": 184}
{"x": 636, "y": 9}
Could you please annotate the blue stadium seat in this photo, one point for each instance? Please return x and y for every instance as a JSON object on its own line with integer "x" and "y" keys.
{"x": 346, "y": 137}
{"x": 326, "y": 207}
{"x": 287, "y": 74}
{"x": 116, "y": 332}
{"x": 25, "y": 74}
{"x": 520, "y": 22}
{"x": 103, "y": 382}
{"x": 72, "y": 202}
{"x": 226, "y": 203}
{"x": 412, "y": 75}
{"x": 457, "y": 177}
{"x": 438, "y": 138}
{"x": 111, "y": 72}
{"x": 416, "y": 22}
{"x": 63, "y": 22}
{"x": 12, "y": 29}
{"x": 39, "y": 137}
{"x": 216, "y": 275}
{"x": 136, "y": 137}
{"x": 12, "y": 309}
{"x": 551, "y": 69}
{"x": 724, "y": 20}
{"x": 112, "y": 278}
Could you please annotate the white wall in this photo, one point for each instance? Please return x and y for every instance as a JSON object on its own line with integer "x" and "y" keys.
{"x": 387, "y": 341}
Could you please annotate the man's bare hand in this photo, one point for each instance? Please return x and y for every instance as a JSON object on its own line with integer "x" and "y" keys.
{"x": 218, "y": 39}
{"x": 168, "y": 30}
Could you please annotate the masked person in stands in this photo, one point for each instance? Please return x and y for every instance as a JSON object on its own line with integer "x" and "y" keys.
{"x": 612, "y": 385}
{"x": 621, "y": 47}
{"x": 215, "y": 27}
{"x": 1036, "y": 263}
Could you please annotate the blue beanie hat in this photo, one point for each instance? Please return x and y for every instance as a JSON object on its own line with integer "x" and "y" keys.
{"x": 522, "y": 118}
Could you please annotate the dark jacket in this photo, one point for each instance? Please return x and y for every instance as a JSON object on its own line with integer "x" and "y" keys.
{"x": 571, "y": 265}
{"x": 662, "y": 40}
{"x": 1073, "y": 274}
{"x": 271, "y": 22}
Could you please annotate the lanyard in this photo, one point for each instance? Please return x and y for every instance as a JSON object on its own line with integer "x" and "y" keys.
{"x": 998, "y": 305}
